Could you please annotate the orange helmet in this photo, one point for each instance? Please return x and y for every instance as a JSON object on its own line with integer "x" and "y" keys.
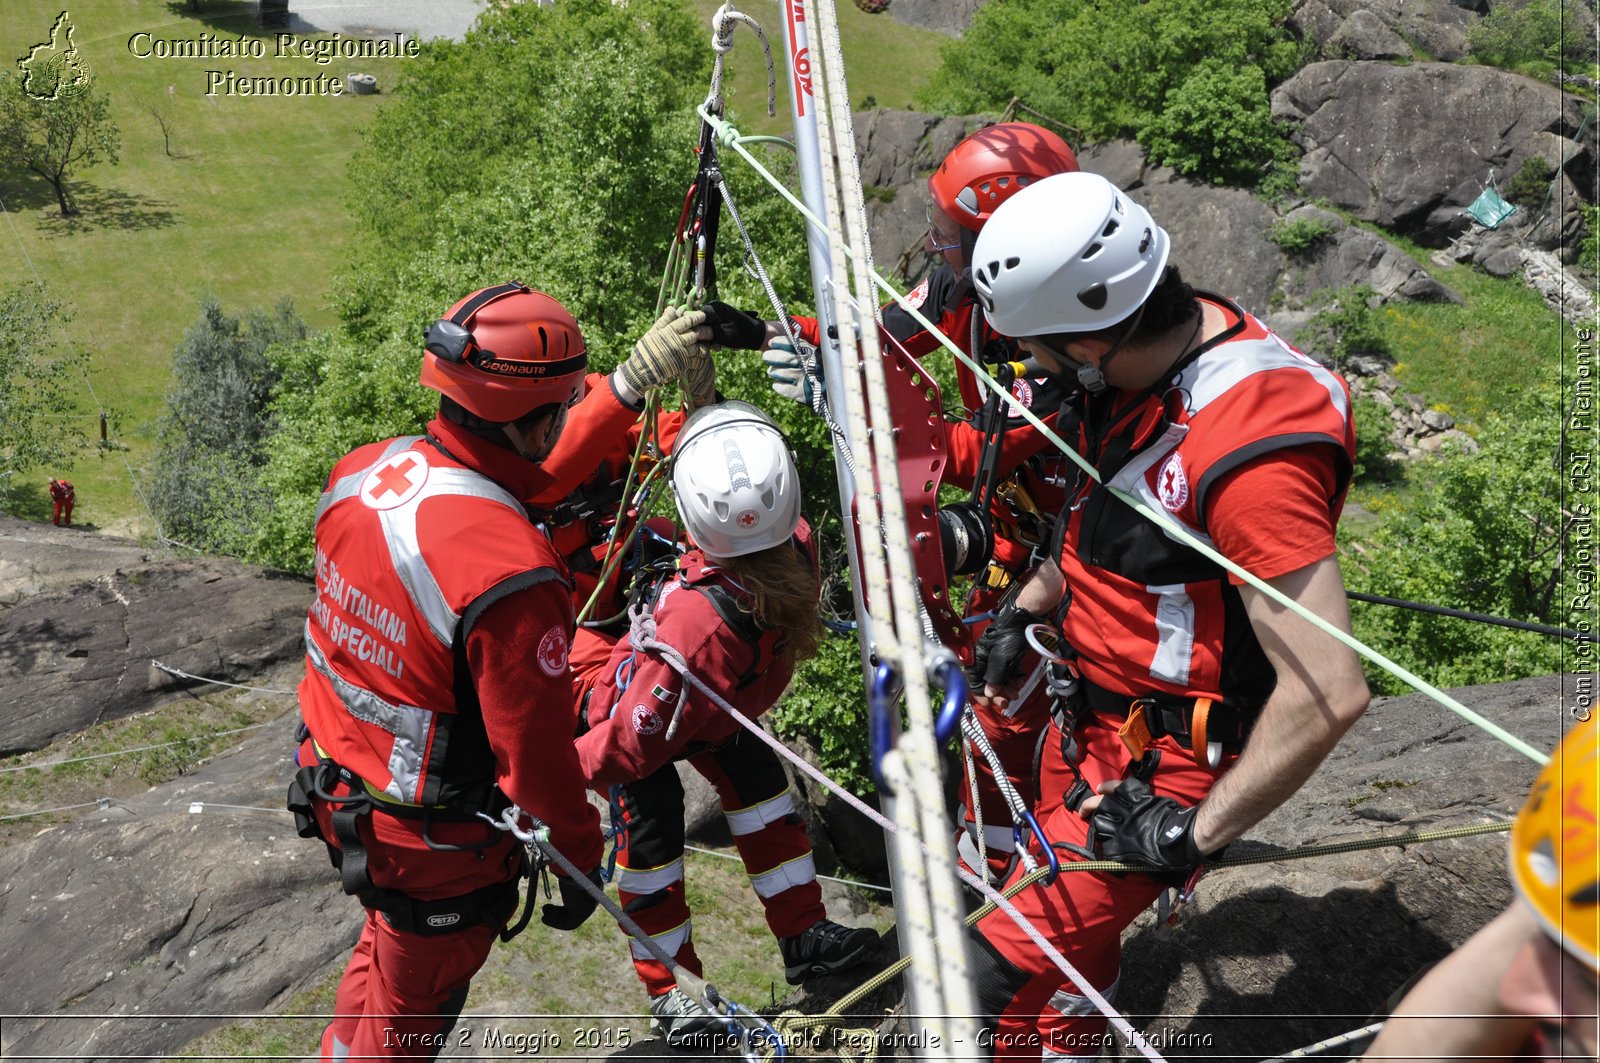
{"x": 1555, "y": 844}
{"x": 505, "y": 351}
{"x": 992, "y": 165}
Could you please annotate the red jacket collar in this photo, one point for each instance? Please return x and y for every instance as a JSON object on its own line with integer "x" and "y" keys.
{"x": 516, "y": 474}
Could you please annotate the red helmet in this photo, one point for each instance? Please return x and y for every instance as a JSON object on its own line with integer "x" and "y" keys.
{"x": 992, "y": 165}
{"x": 505, "y": 351}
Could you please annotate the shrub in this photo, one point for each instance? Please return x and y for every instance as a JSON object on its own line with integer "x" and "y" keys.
{"x": 1589, "y": 247}
{"x": 1531, "y": 184}
{"x": 1217, "y": 124}
{"x": 1510, "y": 36}
{"x": 1373, "y": 447}
{"x": 1346, "y": 327}
{"x": 1300, "y": 235}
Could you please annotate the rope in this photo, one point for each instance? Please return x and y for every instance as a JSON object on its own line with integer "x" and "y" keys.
{"x": 135, "y": 749}
{"x": 722, "y": 26}
{"x": 101, "y": 802}
{"x": 214, "y": 682}
{"x": 677, "y": 662}
{"x": 730, "y": 137}
{"x": 1481, "y": 618}
{"x": 1328, "y": 1043}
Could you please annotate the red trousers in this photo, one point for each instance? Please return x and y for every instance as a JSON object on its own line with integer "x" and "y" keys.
{"x": 61, "y": 511}
{"x": 1034, "y": 1010}
{"x": 767, "y": 830}
{"x": 401, "y": 992}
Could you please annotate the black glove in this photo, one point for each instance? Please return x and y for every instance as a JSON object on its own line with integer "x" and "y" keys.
{"x": 577, "y": 904}
{"x": 964, "y": 538}
{"x": 997, "y": 658}
{"x": 1133, "y": 825}
{"x": 731, "y": 327}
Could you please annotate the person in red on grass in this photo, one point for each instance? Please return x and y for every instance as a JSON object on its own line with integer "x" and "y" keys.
{"x": 1203, "y": 703}
{"x": 62, "y": 497}
{"x": 741, "y": 607}
{"x": 437, "y": 670}
{"x": 976, "y": 176}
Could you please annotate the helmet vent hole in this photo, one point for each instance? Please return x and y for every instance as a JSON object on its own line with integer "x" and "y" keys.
{"x": 967, "y": 200}
{"x": 767, "y": 498}
{"x": 1093, "y": 297}
{"x": 1022, "y": 179}
{"x": 1013, "y": 262}
{"x": 1004, "y": 182}
{"x": 994, "y": 269}
{"x": 1093, "y": 250}
{"x": 1144, "y": 244}
{"x": 1116, "y": 203}
{"x": 544, "y": 340}
{"x": 1111, "y": 226}
{"x": 722, "y": 510}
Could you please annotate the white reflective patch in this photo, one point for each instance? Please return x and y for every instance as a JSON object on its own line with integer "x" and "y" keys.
{"x": 642, "y": 881}
{"x": 347, "y": 486}
{"x": 408, "y": 724}
{"x": 796, "y": 872}
{"x": 749, "y": 820}
{"x": 1174, "y": 633}
{"x": 1209, "y": 378}
{"x": 670, "y": 941}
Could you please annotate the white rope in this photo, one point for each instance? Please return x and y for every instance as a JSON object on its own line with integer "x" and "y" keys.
{"x": 730, "y": 136}
{"x": 214, "y": 682}
{"x": 722, "y": 26}
{"x": 680, "y": 664}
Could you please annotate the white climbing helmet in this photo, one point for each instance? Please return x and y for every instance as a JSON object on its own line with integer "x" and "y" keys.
{"x": 1070, "y": 253}
{"x": 735, "y": 481}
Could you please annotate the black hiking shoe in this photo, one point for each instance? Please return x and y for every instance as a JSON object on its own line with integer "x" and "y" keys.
{"x": 683, "y": 1022}
{"x": 825, "y": 948}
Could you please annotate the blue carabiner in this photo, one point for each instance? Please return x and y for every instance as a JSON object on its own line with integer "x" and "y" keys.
{"x": 954, "y": 680}
{"x": 1049, "y": 850}
{"x": 880, "y": 724}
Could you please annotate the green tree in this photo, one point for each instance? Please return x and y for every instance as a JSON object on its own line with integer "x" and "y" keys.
{"x": 37, "y": 367}
{"x": 1491, "y": 535}
{"x": 1113, "y": 69}
{"x": 58, "y": 136}
{"x": 1538, "y": 32}
{"x": 206, "y": 488}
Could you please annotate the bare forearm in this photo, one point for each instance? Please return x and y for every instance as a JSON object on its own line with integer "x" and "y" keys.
{"x": 1044, "y": 589}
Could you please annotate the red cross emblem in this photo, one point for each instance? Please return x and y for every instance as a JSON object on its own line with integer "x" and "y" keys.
{"x": 1172, "y": 486}
{"x": 748, "y": 518}
{"x": 394, "y": 482}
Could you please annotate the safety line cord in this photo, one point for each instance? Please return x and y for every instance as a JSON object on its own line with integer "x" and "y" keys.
{"x": 181, "y": 674}
{"x": 729, "y": 136}
{"x": 1133, "y": 1037}
{"x": 1481, "y": 618}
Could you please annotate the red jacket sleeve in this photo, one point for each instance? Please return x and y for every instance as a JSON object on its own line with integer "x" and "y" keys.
{"x": 529, "y": 716}
{"x": 629, "y": 741}
{"x": 599, "y": 429}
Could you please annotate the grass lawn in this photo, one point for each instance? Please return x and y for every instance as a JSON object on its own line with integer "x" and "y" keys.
{"x": 249, "y": 208}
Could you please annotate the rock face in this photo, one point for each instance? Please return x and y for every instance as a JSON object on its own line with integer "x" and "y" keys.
{"x": 1386, "y": 29}
{"x": 82, "y": 651}
{"x": 147, "y": 906}
{"x": 1409, "y": 147}
{"x": 950, "y": 17}
{"x": 1321, "y": 943}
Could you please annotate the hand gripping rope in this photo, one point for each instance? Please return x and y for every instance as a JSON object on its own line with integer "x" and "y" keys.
{"x": 752, "y": 1032}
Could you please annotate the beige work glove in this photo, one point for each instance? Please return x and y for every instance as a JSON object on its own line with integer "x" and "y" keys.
{"x": 698, "y": 379}
{"x": 663, "y": 353}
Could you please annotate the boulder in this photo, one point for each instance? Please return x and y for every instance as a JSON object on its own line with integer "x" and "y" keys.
{"x": 36, "y": 558}
{"x": 950, "y": 17}
{"x": 1350, "y": 255}
{"x": 1385, "y": 29}
{"x": 898, "y": 150}
{"x": 148, "y": 906}
{"x": 1409, "y": 147}
{"x": 77, "y": 655}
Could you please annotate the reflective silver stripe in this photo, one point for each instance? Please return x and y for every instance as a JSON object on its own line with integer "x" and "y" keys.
{"x": 405, "y": 550}
{"x": 408, "y": 724}
{"x": 1174, "y": 618}
{"x": 1224, "y": 366}
{"x": 1072, "y": 1005}
{"x": 650, "y": 879}
{"x": 994, "y": 836}
{"x": 346, "y": 486}
{"x": 749, "y": 820}
{"x": 787, "y": 875}
{"x": 670, "y": 941}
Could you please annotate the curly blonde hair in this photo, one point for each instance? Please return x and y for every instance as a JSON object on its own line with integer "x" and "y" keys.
{"x": 785, "y": 589}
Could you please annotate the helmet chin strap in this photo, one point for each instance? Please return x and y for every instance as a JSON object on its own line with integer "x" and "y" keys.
{"x": 517, "y": 443}
{"x": 1091, "y": 375}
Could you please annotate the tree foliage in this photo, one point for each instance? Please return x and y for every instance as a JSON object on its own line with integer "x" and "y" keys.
{"x": 1545, "y": 32}
{"x": 1116, "y": 70}
{"x": 1502, "y": 534}
{"x": 37, "y": 371}
{"x": 206, "y": 489}
{"x": 56, "y": 137}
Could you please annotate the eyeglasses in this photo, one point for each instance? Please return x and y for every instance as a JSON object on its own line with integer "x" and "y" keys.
{"x": 937, "y": 241}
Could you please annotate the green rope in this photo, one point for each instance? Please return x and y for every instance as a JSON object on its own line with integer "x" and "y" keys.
{"x": 730, "y": 136}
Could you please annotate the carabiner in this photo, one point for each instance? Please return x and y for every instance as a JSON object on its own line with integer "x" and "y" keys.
{"x": 880, "y": 724}
{"x": 1049, "y": 850}
{"x": 954, "y": 680}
